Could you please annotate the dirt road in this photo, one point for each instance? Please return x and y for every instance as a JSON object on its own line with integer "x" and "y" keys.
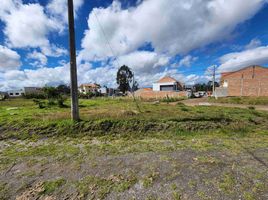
{"x": 205, "y": 102}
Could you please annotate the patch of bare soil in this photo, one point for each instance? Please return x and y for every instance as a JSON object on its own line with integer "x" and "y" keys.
{"x": 181, "y": 174}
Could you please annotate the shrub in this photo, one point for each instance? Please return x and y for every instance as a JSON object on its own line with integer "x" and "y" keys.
{"x": 61, "y": 101}
{"x": 35, "y": 96}
{"x": 251, "y": 107}
{"x": 88, "y": 95}
{"x": 3, "y": 97}
{"x": 41, "y": 104}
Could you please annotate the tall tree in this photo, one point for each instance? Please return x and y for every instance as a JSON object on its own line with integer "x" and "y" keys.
{"x": 123, "y": 78}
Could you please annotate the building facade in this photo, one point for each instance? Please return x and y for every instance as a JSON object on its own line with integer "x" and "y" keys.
{"x": 87, "y": 88}
{"x": 167, "y": 84}
{"x": 16, "y": 93}
{"x": 249, "y": 81}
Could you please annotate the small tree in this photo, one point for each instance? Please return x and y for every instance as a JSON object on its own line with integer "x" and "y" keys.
{"x": 51, "y": 92}
{"x": 135, "y": 86}
{"x": 124, "y": 77}
{"x": 3, "y": 96}
{"x": 64, "y": 89}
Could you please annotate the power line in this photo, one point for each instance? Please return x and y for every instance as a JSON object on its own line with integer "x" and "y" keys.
{"x": 106, "y": 38}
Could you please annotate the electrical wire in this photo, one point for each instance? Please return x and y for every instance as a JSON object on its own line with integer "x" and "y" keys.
{"x": 106, "y": 38}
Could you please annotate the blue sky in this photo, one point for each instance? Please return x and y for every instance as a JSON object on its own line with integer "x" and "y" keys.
{"x": 154, "y": 38}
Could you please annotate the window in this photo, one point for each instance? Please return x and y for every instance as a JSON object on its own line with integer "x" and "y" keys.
{"x": 11, "y": 94}
{"x": 225, "y": 83}
{"x": 17, "y": 94}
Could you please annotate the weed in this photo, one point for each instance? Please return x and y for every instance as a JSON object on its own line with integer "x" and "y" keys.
{"x": 51, "y": 186}
{"x": 227, "y": 183}
{"x": 251, "y": 108}
{"x": 149, "y": 179}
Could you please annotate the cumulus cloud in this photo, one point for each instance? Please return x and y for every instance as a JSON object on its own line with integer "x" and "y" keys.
{"x": 40, "y": 58}
{"x": 16, "y": 79}
{"x": 253, "y": 44}
{"x": 26, "y": 25}
{"x": 29, "y": 25}
{"x": 58, "y": 9}
{"x": 187, "y": 61}
{"x": 237, "y": 60}
{"x": 9, "y": 59}
{"x": 144, "y": 61}
{"x": 177, "y": 29}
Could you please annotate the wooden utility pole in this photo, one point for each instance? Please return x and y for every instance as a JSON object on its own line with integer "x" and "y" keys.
{"x": 73, "y": 67}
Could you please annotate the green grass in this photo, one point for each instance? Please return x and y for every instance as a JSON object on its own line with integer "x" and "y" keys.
{"x": 241, "y": 100}
{"x": 42, "y": 139}
{"x": 99, "y": 187}
{"x": 227, "y": 183}
{"x": 51, "y": 186}
{"x": 22, "y": 119}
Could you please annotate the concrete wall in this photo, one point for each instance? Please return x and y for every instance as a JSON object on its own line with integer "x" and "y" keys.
{"x": 221, "y": 92}
{"x": 15, "y": 93}
{"x": 149, "y": 94}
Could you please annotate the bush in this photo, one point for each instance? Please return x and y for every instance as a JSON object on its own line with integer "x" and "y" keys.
{"x": 35, "y": 96}
{"x": 251, "y": 107}
{"x": 61, "y": 101}
{"x": 41, "y": 104}
{"x": 3, "y": 97}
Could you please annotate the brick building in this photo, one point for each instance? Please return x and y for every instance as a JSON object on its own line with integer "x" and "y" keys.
{"x": 249, "y": 81}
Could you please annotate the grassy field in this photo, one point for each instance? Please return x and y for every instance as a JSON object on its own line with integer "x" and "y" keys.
{"x": 124, "y": 150}
{"x": 241, "y": 100}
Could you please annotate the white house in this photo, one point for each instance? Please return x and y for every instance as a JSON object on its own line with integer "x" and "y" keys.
{"x": 16, "y": 93}
{"x": 167, "y": 83}
{"x": 86, "y": 88}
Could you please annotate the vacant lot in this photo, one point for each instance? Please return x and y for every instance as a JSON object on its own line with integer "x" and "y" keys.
{"x": 127, "y": 150}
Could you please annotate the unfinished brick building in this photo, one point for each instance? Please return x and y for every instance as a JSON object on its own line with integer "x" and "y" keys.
{"x": 249, "y": 81}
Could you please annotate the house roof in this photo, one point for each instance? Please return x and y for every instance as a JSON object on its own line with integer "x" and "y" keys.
{"x": 167, "y": 79}
{"x": 91, "y": 85}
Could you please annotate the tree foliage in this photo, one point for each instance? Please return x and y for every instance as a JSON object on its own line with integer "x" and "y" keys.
{"x": 205, "y": 87}
{"x": 124, "y": 78}
{"x": 64, "y": 89}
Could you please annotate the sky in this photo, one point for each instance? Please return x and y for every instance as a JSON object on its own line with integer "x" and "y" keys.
{"x": 155, "y": 38}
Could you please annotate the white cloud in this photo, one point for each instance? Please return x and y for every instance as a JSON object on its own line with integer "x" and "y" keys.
{"x": 180, "y": 27}
{"x": 58, "y": 9}
{"x": 40, "y": 58}
{"x": 9, "y": 59}
{"x": 237, "y": 60}
{"x": 29, "y": 25}
{"x": 253, "y": 44}
{"x": 16, "y": 79}
{"x": 26, "y": 25}
{"x": 187, "y": 61}
{"x": 143, "y": 61}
